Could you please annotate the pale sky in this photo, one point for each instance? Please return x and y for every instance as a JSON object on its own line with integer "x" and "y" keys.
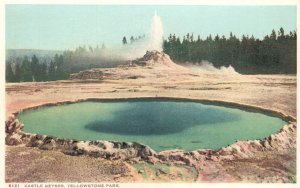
{"x": 63, "y": 27}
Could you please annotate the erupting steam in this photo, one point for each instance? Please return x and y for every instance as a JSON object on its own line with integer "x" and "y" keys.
{"x": 156, "y": 35}
{"x": 207, "y": 67}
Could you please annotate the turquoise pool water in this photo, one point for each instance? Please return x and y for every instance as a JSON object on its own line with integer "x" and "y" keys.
{"x": 162, "y": 125}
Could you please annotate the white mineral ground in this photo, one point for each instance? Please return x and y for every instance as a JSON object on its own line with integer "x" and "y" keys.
{"x": 270, "y": 160}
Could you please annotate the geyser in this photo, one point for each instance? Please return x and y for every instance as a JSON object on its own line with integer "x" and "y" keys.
{"x": 156, "y": 34}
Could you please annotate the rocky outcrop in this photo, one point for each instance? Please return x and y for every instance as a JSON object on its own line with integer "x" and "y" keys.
{"x": 93, "y": 74}
{"x": 284, "y": 140}
{"x": 106, "y": 149}
{"x": 12, "y": 129}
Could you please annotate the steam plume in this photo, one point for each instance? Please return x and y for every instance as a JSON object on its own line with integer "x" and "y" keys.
{"x": 156, "y": 35}
{"x": 208, "y": 67}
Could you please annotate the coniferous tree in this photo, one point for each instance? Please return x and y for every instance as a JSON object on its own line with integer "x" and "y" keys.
{"x": 131, "y": 39}
{"x": 26, "y": 73}
{"x": 51, "y": 71}
{"x": 35, "y": 68}
{"x": 43, "y": 71}
{"x": 9, "y": 75}
{"x": 124, "y": 40}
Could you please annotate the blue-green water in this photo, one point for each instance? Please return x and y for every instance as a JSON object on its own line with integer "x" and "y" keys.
{"x": 161, "y": 125}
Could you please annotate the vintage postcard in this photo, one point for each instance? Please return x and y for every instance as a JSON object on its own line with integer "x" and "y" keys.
{"x": 102, "y": 94}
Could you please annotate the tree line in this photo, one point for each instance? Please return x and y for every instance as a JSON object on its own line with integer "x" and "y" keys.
{"x": 25, "y": 69}
{"x": 274, "y": 54}
{"x": 33, "y": 70}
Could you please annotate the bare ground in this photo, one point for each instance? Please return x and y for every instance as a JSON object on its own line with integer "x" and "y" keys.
{"x": 273, "y": 92}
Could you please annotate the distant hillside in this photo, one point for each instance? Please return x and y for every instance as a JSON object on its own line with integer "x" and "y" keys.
{"x": 47, "y": 55}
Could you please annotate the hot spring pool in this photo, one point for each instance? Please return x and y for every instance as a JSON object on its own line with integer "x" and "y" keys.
{"x": 162, "y": 125}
